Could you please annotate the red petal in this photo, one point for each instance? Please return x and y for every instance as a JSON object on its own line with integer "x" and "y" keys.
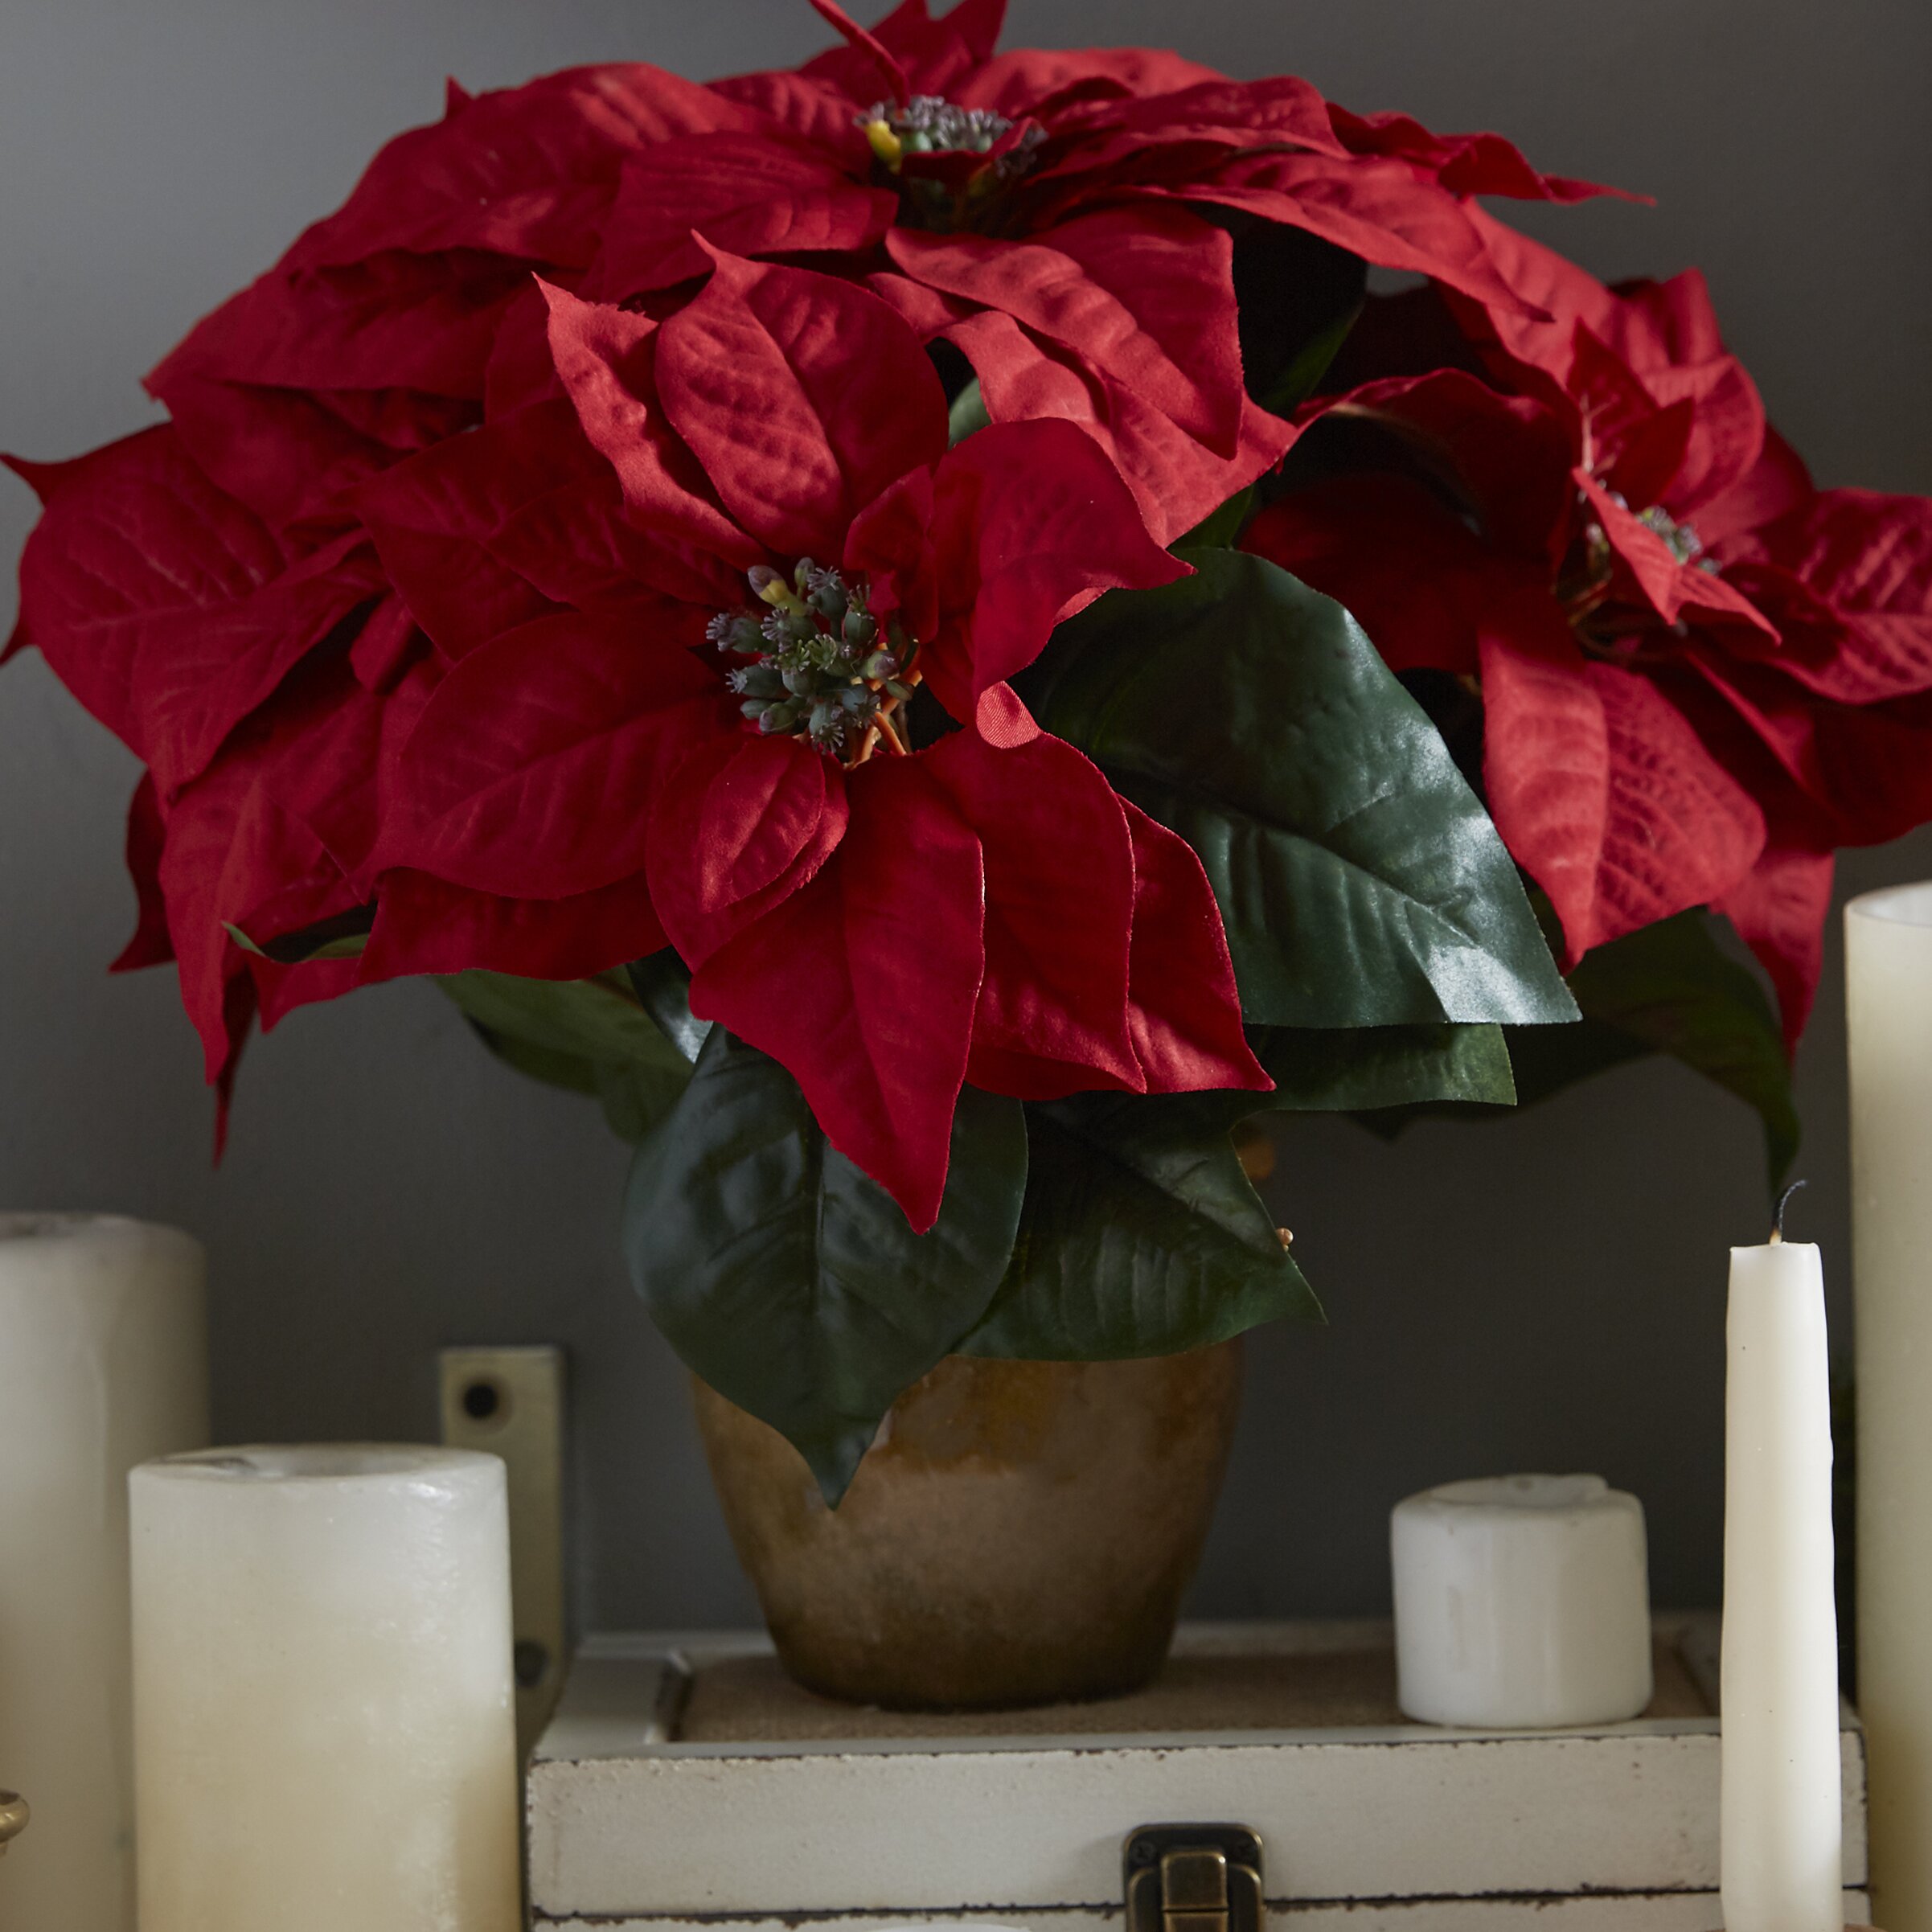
{"x": 744, "y": 822}
{"x": 863, "y": 984}
{"x": 1466, "y": 164}
{"x": 1779, "y": 908}
{"x": 803, "y": 396}
{"x": 166, "y": 608}
{"x": 1546, "y": 767}
{"x": 1176, "y": 480}
{"x": 533, "y": 769}
{"x": 868, "y": 44}
{"x": 1143, "y": 295}
{"x": 425, "y": 925}
{"x": 150, "y": 945}
{"x": 749, "y": 195}
{"x": 1413, "y": 575}
{"x": 1030, "y": 522}
{"x": 1059, "y": 905}
{"x": 1184, "y": 1012}
{"x": 526, "y": 171}
{"x": 409, "y": 322}
{"x": 1031, "y": 80}
{"x": 1676, "y": 829}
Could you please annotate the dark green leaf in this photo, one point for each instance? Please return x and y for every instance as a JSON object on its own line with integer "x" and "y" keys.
{"x": 1297, "y": 381}
{"x": 589, "y": 1035}
{"x": 1219, "y": 529}
{"x": 1344, "y": 1071}
{"x": 787, "y": 1278}
{"x": 1360, "y": 880}
{"x": 967, "y": 414}
{"x": 662, "y": 982}
{"x": 1142, "y": 1236}
{"x": 1671, "y": 987}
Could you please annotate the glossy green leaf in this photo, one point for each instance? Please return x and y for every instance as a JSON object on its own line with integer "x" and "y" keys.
{"x": 1360, "y": 880}
{"x": 967, "y": 414}
{"x": 1671, "y": 987}
{"x": 788, "y": 1279}
{"x": 1218, "y": 530}
{"x": 662, "y": 982}
{"x": 1346, "y": 1070}
{"x": 588, "y": 1034}
{"x": 1142, "y": 1236}
{"x": 1298, "y": 379}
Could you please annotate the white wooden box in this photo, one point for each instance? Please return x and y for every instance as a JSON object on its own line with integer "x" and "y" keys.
{"x": 686, "y": 1784}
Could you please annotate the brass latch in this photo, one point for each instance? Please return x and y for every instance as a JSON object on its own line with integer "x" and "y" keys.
{"x": 1193, "y": 1878}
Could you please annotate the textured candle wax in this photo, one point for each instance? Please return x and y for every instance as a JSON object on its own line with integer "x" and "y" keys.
{"x": 1521, "y": 1602}
{"x": 103, "y": 1363}
{"x": 325, "y": 1721}
{"x": 1888, "y": 988}
{"x": 1782, "y": 1800}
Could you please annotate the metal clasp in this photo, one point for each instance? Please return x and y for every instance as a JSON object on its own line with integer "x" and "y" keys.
{"x": 1193, "y": 1878}
{"x": 13, "y": 1818}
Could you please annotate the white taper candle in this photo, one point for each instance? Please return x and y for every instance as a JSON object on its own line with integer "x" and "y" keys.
{"x": 103, "y": 1363}
{"x": 1888, "y": 999}
{"x": 1782, "y": 1797}
{"x": 324, "y": 1724}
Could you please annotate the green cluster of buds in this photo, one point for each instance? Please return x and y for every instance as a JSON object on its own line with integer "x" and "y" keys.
{"x": 929, "y": 125}
{"x": 821, "y": 662}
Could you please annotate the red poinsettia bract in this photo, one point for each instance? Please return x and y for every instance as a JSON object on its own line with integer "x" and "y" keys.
{"x": 716, "y": 705}
{"x": 1699, "y": 674}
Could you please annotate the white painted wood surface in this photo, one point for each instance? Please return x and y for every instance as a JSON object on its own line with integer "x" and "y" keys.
{"x": 1405, "y": 1827}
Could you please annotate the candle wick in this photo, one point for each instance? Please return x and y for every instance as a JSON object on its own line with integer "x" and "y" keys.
{"x": 1778, "y": 1213}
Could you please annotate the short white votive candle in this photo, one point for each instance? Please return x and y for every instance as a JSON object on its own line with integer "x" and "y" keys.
{"x": 324, "y": 1715}
{"x": 1521, "y": 1602}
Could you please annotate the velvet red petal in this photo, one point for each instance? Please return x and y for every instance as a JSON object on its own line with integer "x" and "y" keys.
{"x": 1059, "y": 905}
{"x": 864, "y": 983}
{"x": 1036, "y": 80}
{"x": 425, "y": 925}
{"x": 743, "y": 822}
{"x": 525, "y": 171}
{"x": 1030, "y": 523}
{"x": 1183, "y": 1011}
{"x": 1465, "y": 164}
{"x": 1144, "y": 296}
{"x": 747, "y": 195}
{"x": 1779, "y": 908}
{"x": 801, "y": 396}
{"x": 165, "y": 606}
{"x": 534, "y": 770}
{"x": 1413, "y": 574}
{"x": 146, "y": 835}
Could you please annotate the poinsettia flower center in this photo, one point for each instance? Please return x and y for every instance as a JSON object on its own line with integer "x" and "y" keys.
{"x": 928, "y": 123}
{"x": 1602, "y": 624}
{"x": 822, "y": 668}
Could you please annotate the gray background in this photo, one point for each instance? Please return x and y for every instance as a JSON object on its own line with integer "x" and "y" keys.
{"x": 1546, "y": 1292}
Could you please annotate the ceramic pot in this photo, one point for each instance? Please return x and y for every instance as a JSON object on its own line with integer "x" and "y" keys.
{"x": 1020, "y": 1533}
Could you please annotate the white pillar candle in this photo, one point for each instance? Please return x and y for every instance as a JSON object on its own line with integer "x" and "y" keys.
{"x": 1888, "y": 986}
{"x": 103, "y": 1363}
{"x": 324, "y": 1715}
{"x": 1521, "y": 1602}
{"x": 1782, "y": 1800}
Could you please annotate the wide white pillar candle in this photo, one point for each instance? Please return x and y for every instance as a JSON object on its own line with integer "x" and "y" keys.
{"x": 325, "y": 1715}
{"x": 1888, "y": 985}
{"x": 1521, "y": 1602}
{"x": 103, "y": 1363}
{"x": 1782, "y": 1799}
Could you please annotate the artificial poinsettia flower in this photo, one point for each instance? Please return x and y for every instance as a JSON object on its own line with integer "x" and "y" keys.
{"x": 758, "y": 557}
{"x": 1699, "y": 675}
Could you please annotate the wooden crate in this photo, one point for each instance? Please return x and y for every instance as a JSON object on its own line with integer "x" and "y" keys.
{"x": 686, "y": 1782}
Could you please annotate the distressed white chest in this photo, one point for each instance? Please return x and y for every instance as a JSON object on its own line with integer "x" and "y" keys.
{"x": 686, "y": 1782}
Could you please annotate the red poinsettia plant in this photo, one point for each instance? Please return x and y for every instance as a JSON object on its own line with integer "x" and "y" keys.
{"x": 913, "y": 625}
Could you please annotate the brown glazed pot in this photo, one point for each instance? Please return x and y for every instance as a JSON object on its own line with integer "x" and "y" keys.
{"x": 1021, "y": 1532}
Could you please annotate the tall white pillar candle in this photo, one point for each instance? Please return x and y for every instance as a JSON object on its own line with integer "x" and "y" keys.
{"x": 1888, "y": 988}
{"x": 103, "y": 1363}
{"x": 1783, "y": 1801}
{"x": 324, "y": 1715}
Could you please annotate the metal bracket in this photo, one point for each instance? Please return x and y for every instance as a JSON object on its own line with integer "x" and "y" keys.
{"x": 510, "y": 1401}
{"x": 1193, "y": 1878}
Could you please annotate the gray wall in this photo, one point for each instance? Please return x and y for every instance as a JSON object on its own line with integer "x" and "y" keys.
{"x": 1544, "y": 1293}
